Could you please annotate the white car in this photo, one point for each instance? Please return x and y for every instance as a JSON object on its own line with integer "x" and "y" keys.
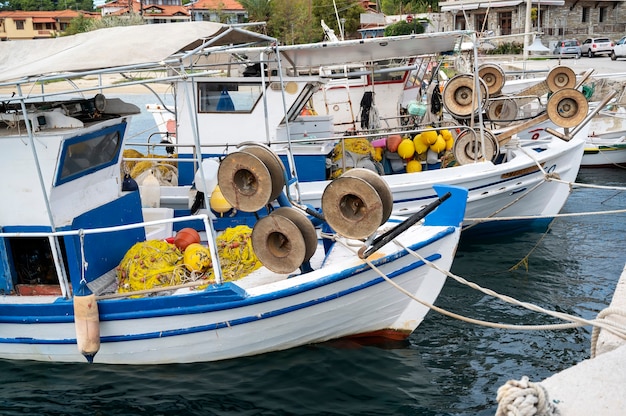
{"x": 596, "y": 46}
{"x": 619, "y": 50}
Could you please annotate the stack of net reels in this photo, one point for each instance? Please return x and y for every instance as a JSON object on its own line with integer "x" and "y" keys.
{"x": 566, "y": 107}
{"x": 250, "y": 179}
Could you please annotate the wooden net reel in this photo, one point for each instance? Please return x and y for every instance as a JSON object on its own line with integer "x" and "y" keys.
{"x": 357, "y": 203}
{"x": 567, "y": 107}
{"x": 250, "y": 178}
{"x": 561, "y": 77}
{"x": 502, "y": 111}
{"x": 493, "y": 76}
{"x": 284, "y": 240}
{"x": 468, "y": 147}
{"x": 459, "y": 98}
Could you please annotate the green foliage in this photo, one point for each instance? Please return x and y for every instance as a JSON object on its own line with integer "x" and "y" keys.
{"x": 29, "y": 5}
{"x": 346, "y": 9}
{"x": 393, "y": 7}
{"x": 509, "y": 48}
{"x": 258, "y": 10}
{"x": 404, "y": 28}
{"x": 84, "y": 24}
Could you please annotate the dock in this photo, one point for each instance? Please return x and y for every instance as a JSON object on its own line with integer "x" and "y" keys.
{"x": 596, "y": 386}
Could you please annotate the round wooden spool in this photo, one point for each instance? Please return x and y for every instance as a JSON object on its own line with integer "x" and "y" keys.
{"x": 384, "y": 192}
{"x": 352, "y": 207}
{"x": 278, "y": 243}
{"x": 251, "y": 178}
{"x": 567, "y": 107}
{"x": 273, "y": 164}
{"x": 458, "y": 96}
{"x": 493, "y": 76}
{"x": 306, "y": 227}
{"x": 561, "y": 77}
{"x": 502, "y": 111}
{"x": 468, "y": 147}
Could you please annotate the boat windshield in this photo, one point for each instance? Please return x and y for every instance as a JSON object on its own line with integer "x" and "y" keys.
{"x": 228, "y": 97}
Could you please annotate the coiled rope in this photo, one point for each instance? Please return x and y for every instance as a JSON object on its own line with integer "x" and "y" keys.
{"x": 524, "y": 398}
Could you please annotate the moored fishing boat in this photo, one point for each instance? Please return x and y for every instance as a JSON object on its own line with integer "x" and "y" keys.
{"x": 606, "y": 144}
{"x": 84, "y": 273}
{"x": 508, "y": 160}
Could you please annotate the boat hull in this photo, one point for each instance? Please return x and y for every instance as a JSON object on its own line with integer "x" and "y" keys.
{"x": 228, "y": 321}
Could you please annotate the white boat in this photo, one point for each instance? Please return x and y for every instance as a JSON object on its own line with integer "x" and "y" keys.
{"x": 606, "y": 143}
{"x": 513, "y": 179}
{"x": 86, "y": 274}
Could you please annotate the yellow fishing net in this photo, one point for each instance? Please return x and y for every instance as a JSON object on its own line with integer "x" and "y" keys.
{"x": 159, "y": 264}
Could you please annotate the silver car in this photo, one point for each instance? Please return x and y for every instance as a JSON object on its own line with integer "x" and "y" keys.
{"x": 569, "y": 47}
{"x": 596, "y": 46}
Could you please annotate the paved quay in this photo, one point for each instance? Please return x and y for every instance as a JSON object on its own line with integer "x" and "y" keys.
{"x": 596, "y": 386}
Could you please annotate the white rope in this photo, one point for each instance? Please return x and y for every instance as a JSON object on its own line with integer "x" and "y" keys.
{"x": 524, "y": 398}
{"x": 574, "y": 321}
{"x": 596, "y": 330}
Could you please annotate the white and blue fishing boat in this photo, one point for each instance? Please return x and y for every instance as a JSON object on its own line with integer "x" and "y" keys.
{"x": 84, "y": 274}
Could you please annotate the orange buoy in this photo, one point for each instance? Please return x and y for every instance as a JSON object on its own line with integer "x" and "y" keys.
{"x": 185, "y": 237}
{"x": 393, "y": 142}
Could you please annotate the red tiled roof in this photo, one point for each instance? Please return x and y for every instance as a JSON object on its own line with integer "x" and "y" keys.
{"x": 21, "y": 14}
{"x": 217, "y": 4}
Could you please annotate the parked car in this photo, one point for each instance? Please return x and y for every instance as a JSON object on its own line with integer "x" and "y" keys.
{"x": 567, "y": 47}
{"x": 619, "y": 49}
{"x": 596, "y": 46}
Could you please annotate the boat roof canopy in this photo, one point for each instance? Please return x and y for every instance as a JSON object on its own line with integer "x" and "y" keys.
{"x": 371, "y": 49}
{"x": 116, "y": 47}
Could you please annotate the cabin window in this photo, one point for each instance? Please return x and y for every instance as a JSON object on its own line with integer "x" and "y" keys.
{"x": 387, "y": 74}
{"x": 216, "y": 97}
{"x": 89, "y": 153}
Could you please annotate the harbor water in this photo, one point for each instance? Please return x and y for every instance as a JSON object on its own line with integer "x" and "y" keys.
{"x": 447, "y": 367}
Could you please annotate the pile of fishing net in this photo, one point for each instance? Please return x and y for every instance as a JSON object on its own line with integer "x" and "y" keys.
{"x": 158, "y": 264}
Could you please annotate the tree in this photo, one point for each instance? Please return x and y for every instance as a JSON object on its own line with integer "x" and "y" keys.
{"x": 258, "y": 10}
{"x": 350, "y": 10}
{"x": 404, "y": 28}
{"x": 290, "y": 22}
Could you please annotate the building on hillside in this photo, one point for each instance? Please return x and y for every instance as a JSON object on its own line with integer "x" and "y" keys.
{"x": 221, "y": 11}
{"x": 152, "y": 11}
{"x": 552, "y": 19}
{"x": 21, "y": 25}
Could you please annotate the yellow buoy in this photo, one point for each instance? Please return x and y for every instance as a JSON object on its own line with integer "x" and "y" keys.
{"x": 406, "y": 149}
{"x": 413, "y": 166}
{"x": 420, "y": 146}
{"x": 378, "y": 154}
{"x": 429, "y": 136}
{"x": 439, "y": 145}
{"x": 218, "y": 202}
{"x": 445, "y": 133}
{"x": 449, "y": 143}
{"x": 197, "y": 258}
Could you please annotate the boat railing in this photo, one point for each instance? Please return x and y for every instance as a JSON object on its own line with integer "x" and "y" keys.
{"x": 81, "y": 233}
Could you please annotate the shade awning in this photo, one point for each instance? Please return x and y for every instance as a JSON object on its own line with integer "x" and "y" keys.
{"x": 459, "y": 7}
{"x": 509, "y": 3}
{"x": 114, "y": 47}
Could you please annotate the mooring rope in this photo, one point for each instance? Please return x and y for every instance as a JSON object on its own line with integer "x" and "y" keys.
{"x": 574, "y": 321}
{"x": 524, "y": 398}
